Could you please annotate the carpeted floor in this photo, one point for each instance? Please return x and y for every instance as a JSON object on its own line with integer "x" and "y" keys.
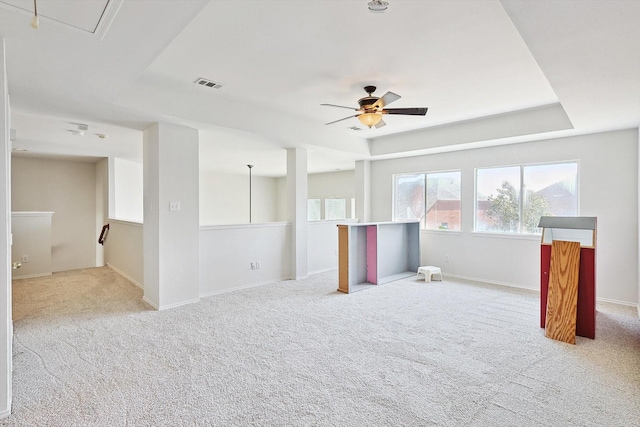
{"x": 88, "y": 351}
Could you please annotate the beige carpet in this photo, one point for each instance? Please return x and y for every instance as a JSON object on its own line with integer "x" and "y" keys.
{"x": 88, "y": 352}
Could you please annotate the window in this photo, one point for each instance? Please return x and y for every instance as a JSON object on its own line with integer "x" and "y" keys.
{"x": 512, "y": 199}
{"x": 443, "y": 201}
{"x": 335, "y": 209}
{"x": 433, "y": 198}
{"x": 313, "y": 210}
{"x": 408, "y": 200}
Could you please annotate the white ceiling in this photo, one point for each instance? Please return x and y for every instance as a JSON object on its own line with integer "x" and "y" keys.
{"x": 547, "y": 68}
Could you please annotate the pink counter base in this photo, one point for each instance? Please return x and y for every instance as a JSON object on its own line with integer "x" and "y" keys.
{"x": 372, "y": 254}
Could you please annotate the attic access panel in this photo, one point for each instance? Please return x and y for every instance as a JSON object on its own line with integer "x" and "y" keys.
{"x": 88, "y": 16}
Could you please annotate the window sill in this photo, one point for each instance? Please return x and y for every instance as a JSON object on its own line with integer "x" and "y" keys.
{"x": 516, "y": 236}
{"x": 443, "y": 232}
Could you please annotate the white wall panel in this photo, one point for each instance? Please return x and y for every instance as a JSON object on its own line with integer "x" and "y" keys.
{"x": 226, "y": 254}
{"x": 608, "y": 189}
{"x": 67, "y": 188}
{"x": 224, "y": 199}
{"x": 123, "y": 250}
{"x": 128, "y": 190}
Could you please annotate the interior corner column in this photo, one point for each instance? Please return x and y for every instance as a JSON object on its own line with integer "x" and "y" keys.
{"x": 102, "y": 205}
{"x": 363, "y": 190}
{"x": 6, "y": 321}
{"x": 297, "y": 210}
{"x": 171, "y": 230}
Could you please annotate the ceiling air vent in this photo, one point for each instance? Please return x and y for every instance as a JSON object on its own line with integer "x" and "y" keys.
{"x": 207, "y": 83}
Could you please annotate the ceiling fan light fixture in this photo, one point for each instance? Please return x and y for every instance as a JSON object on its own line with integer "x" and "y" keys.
{"x": 370, "y": 119}
{"x": 378, "y": 6}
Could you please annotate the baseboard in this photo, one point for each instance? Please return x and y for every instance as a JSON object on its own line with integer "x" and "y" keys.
{"x": 151, "y": 303}
{"x": 31, "y": 276}
{"x": 125, "y": 275}
{"x": 178, "y": 304}
{"x": 489, "y": 282}
{"x": 510, "y": 285}
{"x": 237, "y": 288}
{"x": 615, "y": 301}
{"x": 7, "y": 413}
{"x": 324, "y": 270}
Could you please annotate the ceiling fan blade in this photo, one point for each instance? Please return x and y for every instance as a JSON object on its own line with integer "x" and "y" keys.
{"x": 345, "y": 118}
{"x": 386, "y": 99}
{"x": 380, "y": 124}
{"x": 339, "y": 106}
{"x": 406, "y": 111}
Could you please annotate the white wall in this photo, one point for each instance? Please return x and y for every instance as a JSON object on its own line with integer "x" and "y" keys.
{"x": 320, "y": 186}
{"x": 128, "y": 190}
{"x": 323, "y": 245}
{"x": 123, "y": 250}
{"x": 224, "y": 199}
{"x": 226, "y": 254}
{"x": 282, "y": 207}
{"x": 31, "y": 238}
{"x": 332, "y": 185}
{"x": 67, "y": 188}
{"x": 608, "y": 186}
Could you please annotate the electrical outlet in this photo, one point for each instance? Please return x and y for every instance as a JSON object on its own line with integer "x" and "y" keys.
{"x": 258, "y": 265}
{"x": 25, "y": 258}
{"x": 253, "y": 265}
{"x": 446, "y": 258}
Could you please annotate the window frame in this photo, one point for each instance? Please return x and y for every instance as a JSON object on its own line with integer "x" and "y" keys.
{"x": 319, "y": 210}
{"x": 325, "y": 207}
{"x": 522, "y": 167}
{"x": 423, "y": 221}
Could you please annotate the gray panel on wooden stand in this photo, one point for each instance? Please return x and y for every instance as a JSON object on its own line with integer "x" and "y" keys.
{"x": 358, "y": 256}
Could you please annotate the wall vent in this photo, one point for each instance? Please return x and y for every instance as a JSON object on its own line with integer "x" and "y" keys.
{"x": 208, "y": 83}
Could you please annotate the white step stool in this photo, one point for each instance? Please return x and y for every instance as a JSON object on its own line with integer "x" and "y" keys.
{"x": 429, "y": 271}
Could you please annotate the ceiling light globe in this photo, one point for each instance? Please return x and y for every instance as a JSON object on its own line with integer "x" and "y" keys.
{"x": 378, "y": 6}
{"x": 370, "y": 119}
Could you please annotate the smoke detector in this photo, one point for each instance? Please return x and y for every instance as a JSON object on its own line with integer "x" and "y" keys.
{"x": 80, "y": 129}
{"x": 81, "y": 126}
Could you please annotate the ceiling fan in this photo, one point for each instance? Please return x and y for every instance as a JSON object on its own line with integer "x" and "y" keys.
{"x": 372, "y": 108}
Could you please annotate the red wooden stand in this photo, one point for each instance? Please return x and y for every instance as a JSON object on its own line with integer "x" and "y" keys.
{"x": 586, "y": 316}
